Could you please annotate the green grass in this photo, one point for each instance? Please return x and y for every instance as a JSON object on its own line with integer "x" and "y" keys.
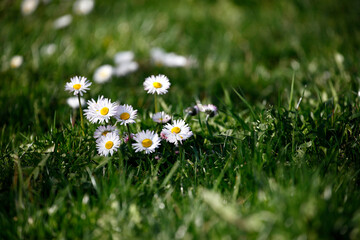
{"x": 263, "y": 168}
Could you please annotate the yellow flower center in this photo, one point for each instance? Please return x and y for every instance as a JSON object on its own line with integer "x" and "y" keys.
{"x": 105, "y": 132}
{"x": 104, "y": 111}
{"x": 175, "y": 130}
{"x": 157, "y": 85}
{"x": 77, "y": 86}
{"x": 109, "y": 144}
{"x": 160, "y": 119}
{"x": 146, "y": 143}
{"x": 125, "y": 116}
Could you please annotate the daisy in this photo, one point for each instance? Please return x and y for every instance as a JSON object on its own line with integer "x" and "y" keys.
{"x": 146, "y": 141}
{"x": 161, "y": 117}
{"x": 73, "y": 102}
{"x": 125, "y": 114}
{"x": 211, "y": 110}
{"x": 108, "y": 144}
{"x": 104, "y": 130}
{"x": 29, "y": 6}
{"x": 125, "y": 68}
{"x": 78, "y": 85}
{"x": 62, "y": 22}
{"x": 123, "y": 57}
{"x": 83, "y": 7}
{"x": 160, "y": 57}
{"x": 176, "y": 132}
{"x": 157, "y": 84}
{"x": 103, "y": 73}
{"x": 16, "y": 61}
{"x": 100, "y": 110}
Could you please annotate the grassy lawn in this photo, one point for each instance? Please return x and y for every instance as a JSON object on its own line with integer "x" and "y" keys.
{"x": 280, "y": 160}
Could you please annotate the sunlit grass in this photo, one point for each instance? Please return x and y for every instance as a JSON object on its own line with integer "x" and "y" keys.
{"x": 268, "y": 166}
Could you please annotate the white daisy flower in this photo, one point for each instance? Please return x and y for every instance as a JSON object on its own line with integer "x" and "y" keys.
{"x": 103, "y": 73}
{"x": 62, "y": 22}
{"x": 29, "y": 6}
{"x": 108, "y": 144}
{"x": 177, "y": 132}
{"x": 48, "y": 49}
{"x": 125, "y": 114}
{"x": 123, "y": 57}
{"x": 125, "y": 68}
{"x": 157, "y": 84}
{"x": 160, "y": 57}
{"x": 78, "y": 85}
{"x": 16, "y": 61}
{"x": 83, "y": 7}
{"x": 102, "y": 131}
{"x": 161, "y": 117}
{"x": 100, "y": 110}
{"x": 146, "y": 141}
{"x": 73, "y": 102}
{"x": 211, "y": 110}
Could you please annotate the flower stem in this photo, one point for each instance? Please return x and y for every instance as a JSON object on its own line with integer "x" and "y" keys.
{"x": 182, "y": 168}
{"x": 81, "y": 114}
{"x": 155, "y": 101}
{"x": 129, "y": 136}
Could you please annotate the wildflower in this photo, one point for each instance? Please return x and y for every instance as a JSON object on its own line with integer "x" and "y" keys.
{"x": 48, "y": 49}
{"x": 146, "y": 141}
{"x": 103, "y": 73}
{"x": 16, "y": 61}
{"x": 160, "y": 57}
{"x": 126, "y": 137}
{"x": 78, "y": 85}
{"x": 83, "y": 7}
{"x": 101, "y": 110}
{"x": 157, "y": 84}
{"x": 192, "y": 111}
{"x": 29, "y": 6}
{"x": 73, "y": 102}
{"x": 211, "y": 110}
{"x": 104, "y": 130}
{"x": 123, "y": 57}
{"x": 161, "y": 117}
{"x": 62, "y": 22}
{"x": 177, "y": 132}
{"x": 108, "y": 144}
{"x": 125, "y": 114}
{"x": 125, "y": 68}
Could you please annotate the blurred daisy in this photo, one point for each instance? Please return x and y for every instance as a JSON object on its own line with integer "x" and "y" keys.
{"x": 108, "y": 144}
{"x": 73, "y": 102}
{"x": 123, "y": 57}
{"x": 83, "y": 7}
{"x": 78, "y": 85}
{"x": 101, "y": 110}
{"x": 29, "y": 6}
{"x": 48, "y": 49}
{"x": 125, "y": 114}
{"x": 157, "y": 84}
{"x": 211, "y": 110}
{"x": 160, "y": 57}
{"x": 192, "y": 111}
{"x": 126, "y": 137}
{"x": 161, "y": 117}
{"x": 63, "y": 21}
{"x": 177, "y": 132}
{"x": 102, "y": 131}
{"x": 103, "y": 73}
{"x": 16, "y": 61}
{"x": 125, "y": 68}
{"x": 146, "y": 141}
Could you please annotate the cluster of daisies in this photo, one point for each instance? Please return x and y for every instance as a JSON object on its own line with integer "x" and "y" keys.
{"x": 107, "y": 136}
